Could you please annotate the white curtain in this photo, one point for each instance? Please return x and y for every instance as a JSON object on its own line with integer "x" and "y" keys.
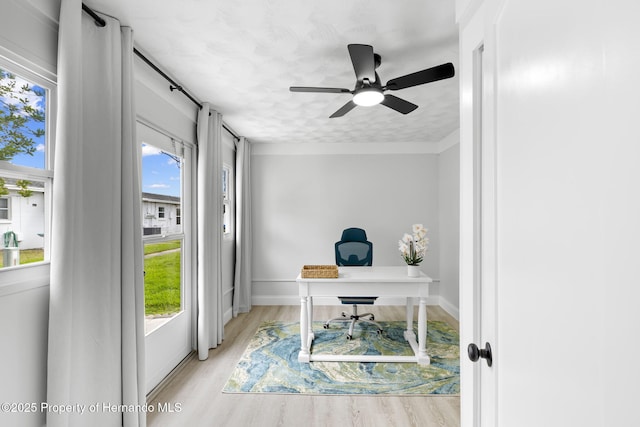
{"x": 244, "y": 243}
{"x": 210, "y": 315}
{"x": 96, "y": 315}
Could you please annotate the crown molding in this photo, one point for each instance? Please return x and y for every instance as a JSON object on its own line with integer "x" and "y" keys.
{"x": 301, "y": 149}
{"x": 449, "y": 141}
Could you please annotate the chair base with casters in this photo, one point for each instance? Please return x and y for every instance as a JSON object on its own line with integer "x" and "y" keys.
{"x": 355, "y": 317}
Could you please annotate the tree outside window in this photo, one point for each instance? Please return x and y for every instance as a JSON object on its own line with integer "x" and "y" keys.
{"x": 22, "y": 116}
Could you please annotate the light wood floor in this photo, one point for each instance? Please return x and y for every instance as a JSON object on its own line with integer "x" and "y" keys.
{"x": 197, "y": 388}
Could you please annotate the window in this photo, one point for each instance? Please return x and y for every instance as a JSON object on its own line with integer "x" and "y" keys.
{"x": 164, "y": 169}
{"x": 225, "y": 182}
{"x": 226, "y": 203}
{"x": 4, "y": 208}
{"x": 26, "y": 167}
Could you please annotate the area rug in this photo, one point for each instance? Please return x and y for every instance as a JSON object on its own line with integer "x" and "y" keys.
{"x": 270, "y": 362}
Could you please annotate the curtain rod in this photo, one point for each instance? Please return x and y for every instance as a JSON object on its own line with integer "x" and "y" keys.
{"x": 176, "y": 86}
{"x": 99, "y": 21}
{"x": 173, "y": 86}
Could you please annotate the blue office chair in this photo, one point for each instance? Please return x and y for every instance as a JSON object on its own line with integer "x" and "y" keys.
{"x": 354, "y": 249}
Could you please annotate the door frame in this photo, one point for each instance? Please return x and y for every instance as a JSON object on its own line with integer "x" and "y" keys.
{"x": 478, "y": 232}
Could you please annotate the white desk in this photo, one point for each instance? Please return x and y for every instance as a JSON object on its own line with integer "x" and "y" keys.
{"x": 366, "y": 281}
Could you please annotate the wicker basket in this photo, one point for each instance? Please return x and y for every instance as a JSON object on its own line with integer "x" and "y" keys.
{"x": 319, "y": 272}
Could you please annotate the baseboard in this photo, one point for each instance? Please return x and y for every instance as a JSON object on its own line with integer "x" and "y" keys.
{"x": 153, "y": 393}
{"x": 228, "y": 315}
{"x": 449, "y": 308}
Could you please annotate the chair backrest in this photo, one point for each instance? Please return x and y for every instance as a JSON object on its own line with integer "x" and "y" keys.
{"x": 354, "y": 249}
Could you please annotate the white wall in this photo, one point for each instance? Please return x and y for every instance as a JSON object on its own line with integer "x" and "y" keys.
{"x": 26, "y": 36}
{"x": 30, "y": 35}
{"x": 23, "y": 360}
{"x": 163, "y": 109}
{"x": 302, "y": 202}
{"x": 449, "y": 209}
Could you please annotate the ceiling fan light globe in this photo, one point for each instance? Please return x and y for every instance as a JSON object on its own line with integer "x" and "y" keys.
{"x": 368, "y": 97}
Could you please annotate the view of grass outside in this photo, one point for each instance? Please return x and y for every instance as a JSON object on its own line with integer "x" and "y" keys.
{"x": 151, "y": 248}
{"x": 26, "y": 256}
{"x": 162, "y": 278}
{"x": 162, "y": 275}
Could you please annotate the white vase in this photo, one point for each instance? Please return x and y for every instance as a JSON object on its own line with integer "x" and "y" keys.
{"x": 413, "y": 270}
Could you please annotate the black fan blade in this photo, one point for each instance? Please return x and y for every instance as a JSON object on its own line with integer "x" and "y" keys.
{"x": 319, "y": 89}
{"x": 429, "y": 75}
{"x": 363, "y": 61}
{"x": 344, "y": 109}
{"x": 398, "y": 104}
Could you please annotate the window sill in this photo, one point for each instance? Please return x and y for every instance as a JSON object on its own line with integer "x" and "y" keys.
{"x": 24, "y": 278}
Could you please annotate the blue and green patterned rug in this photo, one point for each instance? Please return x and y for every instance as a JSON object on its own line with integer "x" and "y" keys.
{"x": 270, "y": 362}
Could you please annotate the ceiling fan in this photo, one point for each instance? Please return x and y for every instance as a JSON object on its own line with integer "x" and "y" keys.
{"x": 369, "y": 91}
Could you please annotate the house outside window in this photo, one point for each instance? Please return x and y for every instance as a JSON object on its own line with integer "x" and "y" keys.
{"x": 160, "y": 211}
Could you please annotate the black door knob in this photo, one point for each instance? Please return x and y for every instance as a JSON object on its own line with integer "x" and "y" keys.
{"x": 476, "y": 353}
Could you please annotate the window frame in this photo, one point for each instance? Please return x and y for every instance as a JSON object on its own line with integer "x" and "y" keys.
{"x": 186, "y": 152}
{"x": 6, "y": 209}
{"x": 26, "y": 276}
{"x": 227, "y": 220}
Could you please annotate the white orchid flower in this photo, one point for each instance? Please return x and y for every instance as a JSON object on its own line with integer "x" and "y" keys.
{"x": 414, "y": 246}
{"x": 419, "y": 230}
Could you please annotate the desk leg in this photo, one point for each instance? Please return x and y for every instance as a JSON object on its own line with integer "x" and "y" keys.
{"x": 304, "y": 355}
{"x": 311, "y": 335}
{"x": 409, "y": 315}
{"x": 423, "y": 359}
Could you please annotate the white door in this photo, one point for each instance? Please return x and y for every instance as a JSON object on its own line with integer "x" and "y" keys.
{"x": 167, "y": 175}
{"x": 560, "y": 110}
{"x": 478, "y": 234}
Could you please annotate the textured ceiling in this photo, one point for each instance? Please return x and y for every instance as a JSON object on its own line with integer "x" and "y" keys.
{"x": 242, "y": 56}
